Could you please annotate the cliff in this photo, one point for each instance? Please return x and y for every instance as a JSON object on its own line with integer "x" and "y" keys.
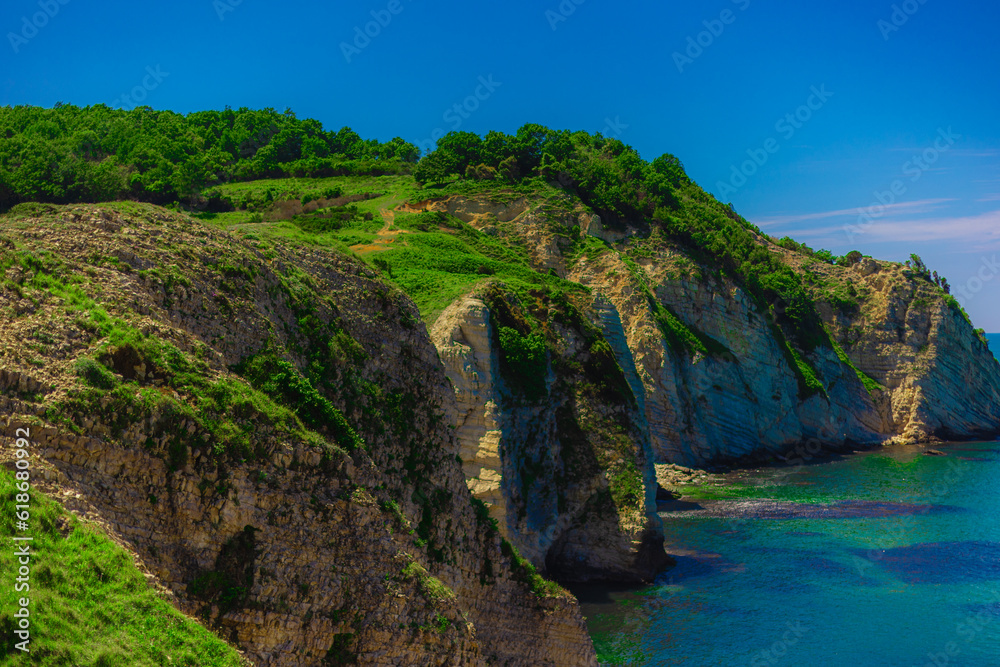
{"x": 320, "y": 471}
{"x": 717, "y": 379}
{"x": 355, "y": 418}
{"x": 262, "y": 427}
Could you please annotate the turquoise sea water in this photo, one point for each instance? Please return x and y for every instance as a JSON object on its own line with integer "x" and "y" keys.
{"x": 880, "y": 558}
{"x": 994, "y": 340}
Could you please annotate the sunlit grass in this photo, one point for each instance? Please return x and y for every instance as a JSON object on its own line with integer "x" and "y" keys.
{"x": 89, "y": 604}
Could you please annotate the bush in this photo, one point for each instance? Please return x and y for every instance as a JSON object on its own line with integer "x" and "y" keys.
{"x": 281, "y": 381}
{"x": 850, "y": 259}
{"x": 94, "y": 374}
{"x": 524, "y": 360}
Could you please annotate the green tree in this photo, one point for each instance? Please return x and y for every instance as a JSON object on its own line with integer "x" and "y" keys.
{"x": 432, "y": 168}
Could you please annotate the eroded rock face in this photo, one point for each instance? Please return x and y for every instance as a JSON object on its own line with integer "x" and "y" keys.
{"x": 938, "y": 380}
{"x": 462, "y": 335}
{"x": 373, "y": 554}
{"x": 542, "y": 466}
{"x": 704, "y": 408}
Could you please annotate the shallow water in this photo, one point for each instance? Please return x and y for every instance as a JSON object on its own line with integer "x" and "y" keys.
{"x": 994, "y": 340}
{"x": 881, "y": 558}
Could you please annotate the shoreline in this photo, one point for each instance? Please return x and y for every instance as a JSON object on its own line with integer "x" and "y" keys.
{"x": 671, "y": 475}
{"x": 692, "y": 489}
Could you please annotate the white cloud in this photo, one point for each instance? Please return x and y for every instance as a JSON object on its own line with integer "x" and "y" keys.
{"x": 921, "y": 206}
{"x": 977, "y": 233}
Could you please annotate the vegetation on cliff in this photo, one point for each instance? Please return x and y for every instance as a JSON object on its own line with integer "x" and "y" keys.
{"x": 71, "y": 154}
{"x": 237, "y": 360}
{"x": 90, "y": 605}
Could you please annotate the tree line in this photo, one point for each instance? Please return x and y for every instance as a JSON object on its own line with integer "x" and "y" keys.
{"x": 88, "y": 154}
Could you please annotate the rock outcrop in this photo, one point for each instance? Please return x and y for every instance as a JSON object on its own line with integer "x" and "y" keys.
{"x": 304, "y": 540}
{"x": 566, "y": 473}
{"x": 903, "y": 365}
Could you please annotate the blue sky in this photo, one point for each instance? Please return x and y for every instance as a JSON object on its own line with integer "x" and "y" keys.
{"x": 894, "y": 105}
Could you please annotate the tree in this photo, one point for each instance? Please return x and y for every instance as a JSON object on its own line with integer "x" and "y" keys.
{"x": 509, "y": 169}
{"x": 496, "y": 148}
{"x": 850, "y": 258}
{"x": 671, "y": 167}
{"x": 528, "y": 145}
{"x": 398, "y": 148}
{"x": 482, "y": 172}
{"x": 68, "y": 153}
{"x": 919, "y": 267}
{"x": 459, "y": 150}
{"x": 432, "y": 168}
{"x": 826, "y": 256}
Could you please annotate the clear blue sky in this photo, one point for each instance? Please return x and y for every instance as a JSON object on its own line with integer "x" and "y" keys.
{"x": 894, "y": 93}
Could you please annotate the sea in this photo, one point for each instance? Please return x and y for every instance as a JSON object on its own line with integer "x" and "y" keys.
{"x": 887, "y": 557}
{"x": 994, "y": 341}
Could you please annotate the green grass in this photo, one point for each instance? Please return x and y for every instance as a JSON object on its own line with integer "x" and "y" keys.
{"x": 257, "y": 195}
{"x": 436, "y": 267}
{"x": 681, "y": 338}
{"x": 870, "y": 383}
{"x": 625, "y": 484}
{"x": 525, "y": 572}
{"x": 432, "y": 588}
{"x": 43, "y": 272}
{"x": 684, "y": 339}
{"x": 439, "y": 260}
{"x": 90, "y": 606}
{"x": 282, "y": 382}
{"x": 806, "y": 373}
{"x": 227, "y": 412}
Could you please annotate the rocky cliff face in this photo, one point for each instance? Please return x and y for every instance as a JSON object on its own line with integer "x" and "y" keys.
{"x": 714, "y": 378}
{"x": 285, "y": 448}
{"x": 263, "y": 428}
{"x": 565, "y": 472}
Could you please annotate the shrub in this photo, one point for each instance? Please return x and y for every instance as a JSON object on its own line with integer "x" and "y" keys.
{"x": 94, "y": 374}
{"x": 524, "y": 360}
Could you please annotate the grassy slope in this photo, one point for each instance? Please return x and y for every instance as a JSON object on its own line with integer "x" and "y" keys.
{"x": 434, "y": 259}
{"x": 89, "y": 603}
{"x": 437, "y": 260}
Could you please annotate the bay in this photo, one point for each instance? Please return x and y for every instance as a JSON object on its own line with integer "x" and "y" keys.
{"x": 889, "y": 557}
